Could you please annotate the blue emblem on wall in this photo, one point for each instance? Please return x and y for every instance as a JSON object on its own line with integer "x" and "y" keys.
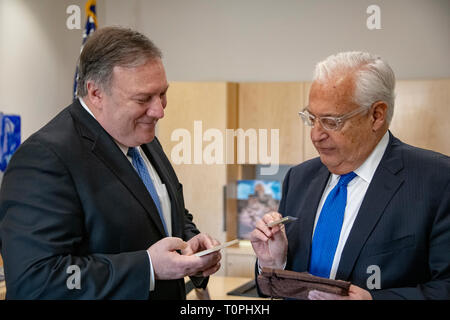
{"x": 9, "y": 138}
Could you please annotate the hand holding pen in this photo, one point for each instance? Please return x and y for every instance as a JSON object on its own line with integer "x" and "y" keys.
{"x": 269, "y": 240}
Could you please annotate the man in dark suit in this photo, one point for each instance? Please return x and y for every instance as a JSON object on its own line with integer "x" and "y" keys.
{"x": 90, "y": 207}
{"x": 371, "y": 210}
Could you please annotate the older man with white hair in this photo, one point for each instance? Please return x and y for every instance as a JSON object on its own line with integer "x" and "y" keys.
{"x": 372, "y": 210}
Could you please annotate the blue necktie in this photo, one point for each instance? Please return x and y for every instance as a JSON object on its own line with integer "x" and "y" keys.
{"x": 328, "y": 228}
{"x": 142, "y": 171}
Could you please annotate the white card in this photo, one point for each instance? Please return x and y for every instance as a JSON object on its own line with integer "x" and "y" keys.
{"x": 216, "y": 248}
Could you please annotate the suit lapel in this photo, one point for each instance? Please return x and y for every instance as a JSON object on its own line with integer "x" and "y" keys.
{"x": 382, "y": 188}
{"x": 307, "y": 214}
{"x": 105, "y": 149}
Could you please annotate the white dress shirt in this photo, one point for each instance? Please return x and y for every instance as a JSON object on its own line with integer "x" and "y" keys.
{"x": 356, "y": 190}
{"x": 161, "y": 190}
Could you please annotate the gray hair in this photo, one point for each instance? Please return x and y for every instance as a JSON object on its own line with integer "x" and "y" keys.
{"x": 109, "y": 47}
{"x": 374, "y": 78}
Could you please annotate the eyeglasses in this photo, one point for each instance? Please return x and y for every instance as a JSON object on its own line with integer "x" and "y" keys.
{"x": 329, "y": 123}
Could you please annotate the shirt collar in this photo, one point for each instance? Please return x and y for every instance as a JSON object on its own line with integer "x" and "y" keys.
{"x": 83, "y": 104}
{"x": 122, "y": 147}
{"x": 367, "y": 169}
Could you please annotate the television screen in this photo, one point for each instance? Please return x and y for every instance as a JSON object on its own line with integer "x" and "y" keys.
{"x": 255, "y": 198}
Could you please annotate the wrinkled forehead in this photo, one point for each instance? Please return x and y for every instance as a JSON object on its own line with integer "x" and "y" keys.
{"x": 333, "y": 95}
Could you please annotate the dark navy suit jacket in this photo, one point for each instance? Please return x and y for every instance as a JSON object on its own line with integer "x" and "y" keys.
{"x": 402, "y": 227}
{"x": 70, "y": 197}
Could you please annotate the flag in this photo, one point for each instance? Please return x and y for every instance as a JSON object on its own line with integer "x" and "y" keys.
{"x": 91, "y": 26}
{"x": 9, "y": 138}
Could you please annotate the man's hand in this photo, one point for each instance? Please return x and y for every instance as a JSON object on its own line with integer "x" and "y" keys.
{"x": 270, "y": 244}
{"x": 199, "y": 243}
{"x": 169, "y": 264}
{"x": 354, "y": 293}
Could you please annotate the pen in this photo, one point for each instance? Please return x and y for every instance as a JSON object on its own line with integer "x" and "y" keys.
{"x": 283, "y": 220}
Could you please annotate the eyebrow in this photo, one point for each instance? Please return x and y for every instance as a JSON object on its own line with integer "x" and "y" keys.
{"x": 324, "y": 115}
{"x": 146, "y": 94}
{"x": 332, "y": 115}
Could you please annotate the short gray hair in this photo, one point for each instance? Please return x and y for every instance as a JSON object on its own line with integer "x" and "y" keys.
{"x": 374, "y": 78}
{"x": 109, "y": 47}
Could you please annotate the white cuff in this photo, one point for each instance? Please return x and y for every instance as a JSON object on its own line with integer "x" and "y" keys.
{"x": 259, "y": 267}
{"x": 152, "y": 274}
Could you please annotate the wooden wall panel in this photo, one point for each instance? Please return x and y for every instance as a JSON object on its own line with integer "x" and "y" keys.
{"x": 310, "y": 151}
{"x": 274, "y": 106}
{"x": 422, "y": 114}
{"x": 202, "y": 183}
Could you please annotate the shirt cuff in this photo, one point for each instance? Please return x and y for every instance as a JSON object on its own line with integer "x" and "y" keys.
{"x": 152, "y": 274}
{"x": 259, "y": 267}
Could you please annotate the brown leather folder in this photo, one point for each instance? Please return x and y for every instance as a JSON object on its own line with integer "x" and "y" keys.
{"x": 277, "y": 283}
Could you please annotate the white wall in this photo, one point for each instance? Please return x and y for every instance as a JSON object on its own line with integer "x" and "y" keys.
{"x": 37, "y": 60}
{"x": 205, "y": 40}
{"x": 281, "y": 40}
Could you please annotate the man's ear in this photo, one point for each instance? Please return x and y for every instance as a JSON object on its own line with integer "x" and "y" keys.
{"x": 95, "y": 94}
{"x": 379, "y": 115}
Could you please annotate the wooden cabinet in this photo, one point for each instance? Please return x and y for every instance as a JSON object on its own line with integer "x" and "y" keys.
{"x": 240, "y": 261}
